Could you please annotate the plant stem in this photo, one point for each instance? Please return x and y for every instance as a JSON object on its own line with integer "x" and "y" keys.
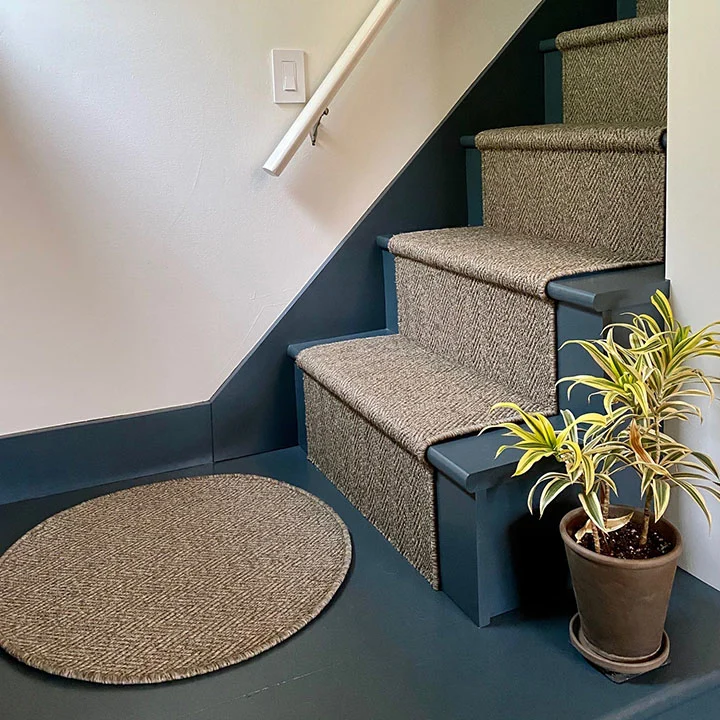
{"x": 646, "y": 519}
{"x": 649, "y": 494}
{"x": 605, "y": 502}
{"x": 596, "y": 539}
{"x": 605, "y": 505}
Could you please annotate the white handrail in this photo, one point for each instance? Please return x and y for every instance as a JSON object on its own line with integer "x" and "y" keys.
{"x": 317, "y": 104}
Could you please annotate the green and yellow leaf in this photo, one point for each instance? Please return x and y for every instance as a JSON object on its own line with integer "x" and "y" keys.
{"x": 591, "y": 504}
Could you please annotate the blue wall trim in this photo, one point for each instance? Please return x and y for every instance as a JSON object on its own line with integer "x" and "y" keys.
{"x": 102, "y": 451}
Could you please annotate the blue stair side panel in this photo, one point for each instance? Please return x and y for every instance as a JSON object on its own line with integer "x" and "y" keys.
{"x": 473, "y": 178}
{"x": 481, "y": 509}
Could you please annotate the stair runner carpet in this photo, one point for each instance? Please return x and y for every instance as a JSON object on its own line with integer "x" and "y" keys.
{"x": 373, "y": 407}
{"x": 650, "y": 7}
{"x": 475, "y": 324}
{"x": 616, "y": 72}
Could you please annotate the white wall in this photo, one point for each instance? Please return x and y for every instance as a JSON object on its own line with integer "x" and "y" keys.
{"x": 143, "y": 251}
{"x": 693, "y": 255}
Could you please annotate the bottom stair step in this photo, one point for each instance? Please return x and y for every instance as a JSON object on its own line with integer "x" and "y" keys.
{"x": 414, "y": 396}
{"x": 373, "y": 407}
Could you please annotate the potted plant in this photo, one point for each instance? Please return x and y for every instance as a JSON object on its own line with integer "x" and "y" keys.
{"x": 623, "y": 560}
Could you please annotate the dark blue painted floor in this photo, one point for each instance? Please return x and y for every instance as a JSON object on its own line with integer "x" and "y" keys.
{"x": 388, "y": 648}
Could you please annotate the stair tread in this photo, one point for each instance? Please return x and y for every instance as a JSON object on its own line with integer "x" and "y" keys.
{"x": 518, "y": 262}
{"x": 619, "y": 31}
{"x": 415, "y": 397}
{"x": 564, "y": 137}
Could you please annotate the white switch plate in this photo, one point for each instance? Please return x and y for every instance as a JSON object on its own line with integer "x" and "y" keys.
{"x": 288, "y": 71}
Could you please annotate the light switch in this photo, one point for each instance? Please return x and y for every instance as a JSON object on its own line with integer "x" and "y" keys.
{"x": 288, "y": 68}
{"x": 289, "y": 75}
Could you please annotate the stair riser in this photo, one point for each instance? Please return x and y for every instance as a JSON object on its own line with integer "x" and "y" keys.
{"x": 650, "y": 7}
{"x": 391, "y": 488}
{"x": 614, "y": 200}
{"x": 469, "y": 322}
{"x": 623, "y": 82}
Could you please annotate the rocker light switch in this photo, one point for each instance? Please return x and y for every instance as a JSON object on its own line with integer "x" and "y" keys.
{"x": 288, "y": 76}
{"x": 289, "y": 72}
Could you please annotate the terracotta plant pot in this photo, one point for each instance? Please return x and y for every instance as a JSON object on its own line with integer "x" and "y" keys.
{"x": 622, "y": 603}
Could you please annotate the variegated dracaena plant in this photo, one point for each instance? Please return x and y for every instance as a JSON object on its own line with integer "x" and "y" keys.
{"x": 648, "y": 380}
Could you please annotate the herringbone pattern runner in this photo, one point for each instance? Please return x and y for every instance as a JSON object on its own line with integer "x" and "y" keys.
{"x": 514, "y": 262}
{"x": 599, "y": 187}
{"x": 459, "y": 318}
{"x": 649, "y": 7}
{"x": 170, "y": 580}
{"x": 391, "y": 487}
{"x": 415, "y": 397}
{"x": 616, "y": 73}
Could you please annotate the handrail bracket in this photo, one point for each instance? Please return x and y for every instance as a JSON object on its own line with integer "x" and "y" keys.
{"x": 316, "y": 127}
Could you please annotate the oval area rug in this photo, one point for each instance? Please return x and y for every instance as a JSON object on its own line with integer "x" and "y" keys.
{"x": 170, "y": 580}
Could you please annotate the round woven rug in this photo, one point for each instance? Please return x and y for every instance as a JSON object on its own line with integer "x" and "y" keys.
{"x": 170, "y": 580}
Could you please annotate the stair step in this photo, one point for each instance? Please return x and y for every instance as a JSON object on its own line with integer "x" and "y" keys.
{"x": 601, "y": 186}
{"x": 478, "y": 297}
{"x": 488, "y": 328}
{"x": 415, "y": 397}
{"x": 650, "y": 7}
{"x": 373, "y": 407}
{"x": 613, "y": 32}
{"x": 620, "y": 138}
{"x": 522, "y": 263}
{"x": 616, "y": 72}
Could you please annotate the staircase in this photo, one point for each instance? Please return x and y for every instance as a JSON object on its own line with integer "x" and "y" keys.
{"x": 476, "y": 314}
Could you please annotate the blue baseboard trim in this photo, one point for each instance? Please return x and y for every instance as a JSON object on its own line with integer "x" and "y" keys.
{"x": 72, "y": 457}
